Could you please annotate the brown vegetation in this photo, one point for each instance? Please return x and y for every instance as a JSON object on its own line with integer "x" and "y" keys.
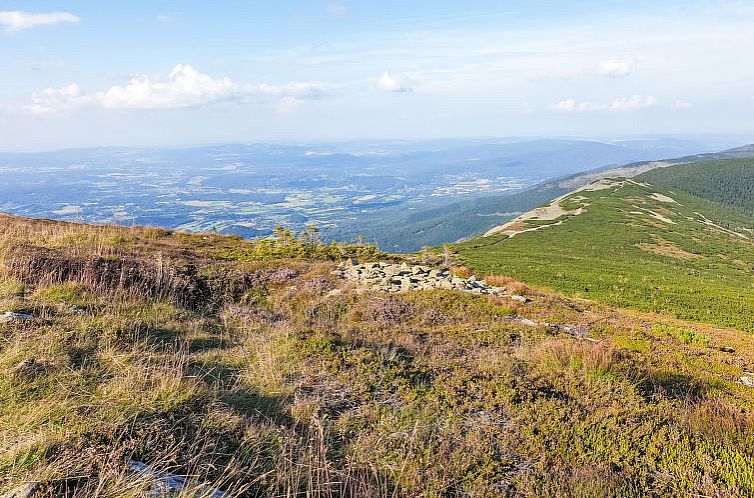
{"x": 250, "y": 375}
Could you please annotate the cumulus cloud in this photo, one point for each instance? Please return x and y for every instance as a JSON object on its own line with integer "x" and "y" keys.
{"x": 52, "y": 100}
{"x": 183, "y": 87}
{"x": 632, "y": 103}
{"x": 389, "y": 83}
{"x": 15, "y": 20}
{"x": 616, "y": 68}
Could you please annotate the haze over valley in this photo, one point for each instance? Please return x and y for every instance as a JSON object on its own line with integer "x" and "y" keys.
{"x": 344, "y": 189}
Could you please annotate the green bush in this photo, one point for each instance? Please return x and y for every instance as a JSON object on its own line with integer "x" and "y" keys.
{"x": 684, "y": 335}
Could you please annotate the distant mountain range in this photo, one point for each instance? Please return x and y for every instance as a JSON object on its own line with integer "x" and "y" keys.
{"x": 400, "y": 194}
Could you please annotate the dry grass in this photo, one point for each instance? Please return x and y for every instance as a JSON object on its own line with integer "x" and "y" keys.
{"x": 666, "y": 248}
{"x": 268, "y": 386}
{"x": 512, "y": 285}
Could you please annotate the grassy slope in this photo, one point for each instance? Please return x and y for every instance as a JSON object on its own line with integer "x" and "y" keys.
{"x": 688, "y": 269}
{"x": 215, "y": 357}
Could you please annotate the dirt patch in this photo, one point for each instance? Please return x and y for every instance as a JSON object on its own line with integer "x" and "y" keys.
{"x": 666, "y": 248}
{"x": 551, "y": 211}
{"x": 634, "y": 200}
{"x": 708, "y": 222}
{"x": 662, "y": 198}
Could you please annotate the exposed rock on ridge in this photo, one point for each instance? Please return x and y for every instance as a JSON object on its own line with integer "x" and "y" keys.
{"x": 387, "y": 277}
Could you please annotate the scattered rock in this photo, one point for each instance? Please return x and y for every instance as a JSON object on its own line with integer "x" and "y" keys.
{"x": 386, "y": 277}
{"x": 747, "y": 380}
{"x": 164, "y": 484}
{"x": 10, "y": 316}
{"x": 28, "y": 490}
{"x": 727, "y": 349}
{"x": 524, "y": 321}
{"x": 521, "y": 299}
{"x": 579, "y": 331}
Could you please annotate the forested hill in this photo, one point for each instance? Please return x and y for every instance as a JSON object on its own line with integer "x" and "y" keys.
{"x": 728, "y": 182}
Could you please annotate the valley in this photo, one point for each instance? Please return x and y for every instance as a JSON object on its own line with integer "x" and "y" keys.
{"x": 348, "y": 190}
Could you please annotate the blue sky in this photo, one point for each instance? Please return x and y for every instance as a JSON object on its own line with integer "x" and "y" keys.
{"x": 78, "y": 73}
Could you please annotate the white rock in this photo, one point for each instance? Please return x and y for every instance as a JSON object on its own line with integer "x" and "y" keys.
{"x": 164, "y": 484}
{"x": 10, "y": 316}
{"x": 24, "y": 491}
{"x": 747, "y": 380}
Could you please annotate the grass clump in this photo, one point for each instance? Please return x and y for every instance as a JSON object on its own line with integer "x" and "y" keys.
{"x": 71, "y": 294}
{"x": 684, "y": 335}
{"x": 11, "y": 287}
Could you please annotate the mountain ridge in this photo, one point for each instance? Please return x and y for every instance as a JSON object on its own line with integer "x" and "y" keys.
{"x": 631, "y": 243}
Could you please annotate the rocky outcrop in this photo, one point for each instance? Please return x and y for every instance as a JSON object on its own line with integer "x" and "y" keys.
{"x": 28, "y": 490}
{"x": 10, "y": 316}
{"x": 393, "y": 278}
{"x": 165, "y": 484}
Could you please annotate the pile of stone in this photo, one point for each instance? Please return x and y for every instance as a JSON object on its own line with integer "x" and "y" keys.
{"x": 387, "y": 277}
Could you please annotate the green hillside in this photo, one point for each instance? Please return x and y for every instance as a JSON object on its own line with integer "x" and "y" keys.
{"x": 729, "y": 182}
{"x": 633, "y": 244}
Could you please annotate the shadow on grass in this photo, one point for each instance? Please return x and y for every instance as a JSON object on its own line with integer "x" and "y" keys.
{"x": 673, "y": 385}
{"x": 231, "y": 391}
{"x": 168, "y": 337}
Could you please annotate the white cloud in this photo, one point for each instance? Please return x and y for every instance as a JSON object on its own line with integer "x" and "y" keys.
{"x": 163, "y": 18}
{"x": 623, "y": 104}
{"x": 389, "y": 83}
{"x": 568, "y": 105}
{"x": 184, "y": 87}
{"x": 52, "y": 100}
{"x": 616, "y": 68}
{"x": 633, "y": 103}
{"x": 15, "y": 20}
{"x": 289, "y": 105}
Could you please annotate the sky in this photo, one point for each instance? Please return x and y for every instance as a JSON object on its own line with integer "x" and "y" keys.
{"x": 91, "y": 73}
